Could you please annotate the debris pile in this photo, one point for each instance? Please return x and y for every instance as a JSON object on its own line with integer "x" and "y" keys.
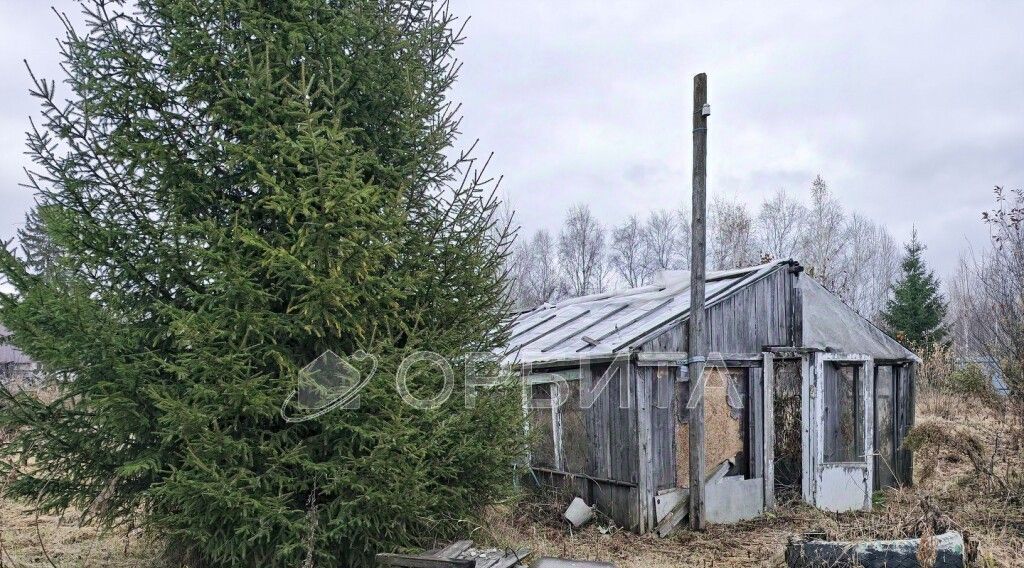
{"x": 461, "y": 554}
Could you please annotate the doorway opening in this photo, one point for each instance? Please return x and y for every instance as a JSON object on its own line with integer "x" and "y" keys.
{"x": 788, "y": 451}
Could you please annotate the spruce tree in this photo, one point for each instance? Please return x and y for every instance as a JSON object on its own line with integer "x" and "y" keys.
{"x": 39, "y": 252}
{"x": 234, "y": 188}
{"x": 917, "y": 308}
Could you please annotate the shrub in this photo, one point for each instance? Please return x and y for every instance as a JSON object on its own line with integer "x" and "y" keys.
{"x": 970, "y": 380}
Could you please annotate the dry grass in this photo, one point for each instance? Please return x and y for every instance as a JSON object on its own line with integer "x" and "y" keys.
{"x": 995, "y": 519}
{"x": 30, "y": 540}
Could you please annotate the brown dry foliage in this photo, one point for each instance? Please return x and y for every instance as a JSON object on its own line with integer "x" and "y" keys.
{"x": 955, "y": 496}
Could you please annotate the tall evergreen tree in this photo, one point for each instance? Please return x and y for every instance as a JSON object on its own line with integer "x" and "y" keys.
{"x": 917, "y": 308}
{"x": 234, "y": 188}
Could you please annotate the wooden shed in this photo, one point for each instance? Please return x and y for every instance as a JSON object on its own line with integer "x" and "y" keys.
{"x": 804, "y": 397}
{"x": 15, "y": 366}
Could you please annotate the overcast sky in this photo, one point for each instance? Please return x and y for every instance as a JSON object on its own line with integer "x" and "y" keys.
{"x": 911, "y": 111}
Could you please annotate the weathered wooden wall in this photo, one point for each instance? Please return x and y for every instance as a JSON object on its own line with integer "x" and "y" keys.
{"x": 609, "y": 476}
{"x": 765, "y": 312}
{"x": 663, "y": 418}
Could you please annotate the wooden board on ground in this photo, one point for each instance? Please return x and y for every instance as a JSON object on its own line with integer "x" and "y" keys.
{"x": 460, "y": 554}
{"x": 420, "y": 561}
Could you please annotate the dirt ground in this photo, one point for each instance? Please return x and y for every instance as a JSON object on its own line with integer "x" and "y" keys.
{"x": 992, "y": 516}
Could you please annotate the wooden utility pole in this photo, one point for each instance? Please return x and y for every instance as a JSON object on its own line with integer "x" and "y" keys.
{"x": 698, "y": 343}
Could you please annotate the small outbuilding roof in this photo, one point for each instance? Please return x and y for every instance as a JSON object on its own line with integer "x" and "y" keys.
{"x": 606, "y": 325}
{"x": 830, "y": 324}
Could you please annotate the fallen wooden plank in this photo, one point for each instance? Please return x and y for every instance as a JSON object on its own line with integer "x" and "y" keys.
{"x": 674, "y": 517}
{"x": 512, "y": 558}
{"x": 454, "y": 550}
{"x": 415, "y": 561}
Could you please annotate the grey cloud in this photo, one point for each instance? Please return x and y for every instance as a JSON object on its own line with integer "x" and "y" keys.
{"x": 912, "y": 111}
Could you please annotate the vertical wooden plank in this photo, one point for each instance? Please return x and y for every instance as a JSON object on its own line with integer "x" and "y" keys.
{"x": 797, "y": 324}
{"x": 624, "y": 429}
{"x": 905, "y": 394}
{"x": 755, "y": 428}
{"x": 886, "y": 462}
{"x": 556, "y": 423}
{"x": 610, "y": 401}
{"x": 615, "y": 457}
{"x": 586, "y": 382}
{"x": 663, "y": 428}
{"x": 869, "y": 427}
{"x": 645, "y": 485}
{"x": 769, "y": 430}
{"x": 526, "y": 397}
{"x": 811, "y": 411}
{"x": 911, "y": 418}
{"x": 598, "y": 425}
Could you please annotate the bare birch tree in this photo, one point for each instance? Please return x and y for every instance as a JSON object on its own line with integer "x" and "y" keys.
{"x": 966, "y": 318}
{"x": 780, "y": 224}
{"x": 730, "y": 235}
{"x": 885, "y": 270}
{"x": 662, "y": 237}
{"x": 518, "y": 266}
{"x": 824, "y": 240}
{"x": 541, "y": 275}
{"x": 581, "y": 252}
{"x": 864, "y": 276}
{"x": 684, "y": 236}
{"x": 629, "y": 253}
{"x": 993, "y": 298}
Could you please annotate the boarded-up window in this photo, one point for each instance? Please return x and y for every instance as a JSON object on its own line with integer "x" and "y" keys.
{"x": 726, "y": 409}
{"x": 844, "y": 413}
{"x": 542, "y": 441}
{"x": 574, "y": 431}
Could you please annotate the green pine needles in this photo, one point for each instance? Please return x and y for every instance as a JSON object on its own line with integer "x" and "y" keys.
{"x": 917, "y": 309}
{"x": 227, "y": 189}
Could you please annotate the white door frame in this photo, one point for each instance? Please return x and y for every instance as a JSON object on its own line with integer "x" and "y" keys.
{"x": 835, "y": 486}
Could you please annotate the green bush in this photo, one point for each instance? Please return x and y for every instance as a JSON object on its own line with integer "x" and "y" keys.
{"x": 970, "y": 379}
{"x": 231, "y": 189}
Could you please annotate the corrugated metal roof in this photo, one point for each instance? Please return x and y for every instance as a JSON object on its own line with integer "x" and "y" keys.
{"x": 604, "y": 325}
{"x": 609, "y": 324}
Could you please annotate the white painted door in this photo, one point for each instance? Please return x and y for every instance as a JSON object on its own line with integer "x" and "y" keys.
{"x": 838, "y": 417}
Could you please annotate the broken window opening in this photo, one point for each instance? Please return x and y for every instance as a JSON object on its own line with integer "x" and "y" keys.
{"x": 844, "y": 413}
{"x": 542, "y": 440}
{"x": 885, "y": 427}
{"x": 788, "y": 430}
{"x": 574, "y": 431}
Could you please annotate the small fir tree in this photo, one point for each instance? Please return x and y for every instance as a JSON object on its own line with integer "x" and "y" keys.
{"x": 39, "y": 252}
{"x": 917, "y": 308}
{"x": 233, "y": 188}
